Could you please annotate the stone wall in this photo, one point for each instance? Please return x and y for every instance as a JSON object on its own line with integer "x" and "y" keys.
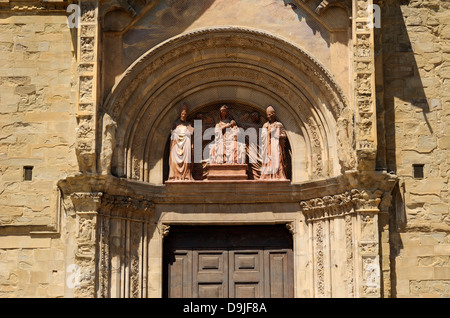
{"x": 417, "y": 105}
{"x": 326, "y": 36}
{"x": 37, "y": 126}
{"x": 38, "y": 99}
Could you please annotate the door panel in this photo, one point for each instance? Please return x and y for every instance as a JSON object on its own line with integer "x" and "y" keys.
{"x": 278, "y": 274}
{"x": 180, "y": 275}
{"x": 232, "y": 265}
{"x": 246, "y": 274}
{"x": 210, "y": 274}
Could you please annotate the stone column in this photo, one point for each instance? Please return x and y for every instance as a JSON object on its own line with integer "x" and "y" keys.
{"x": 344, "y": 235}
{"x": 368, "y": 274}
{"x": 86, "y": 206}
{"x": 87, "y": 55}
{"x": 330, "y": 226}
{"x": 364, "y": 84}
{"x": 123, "y": 236}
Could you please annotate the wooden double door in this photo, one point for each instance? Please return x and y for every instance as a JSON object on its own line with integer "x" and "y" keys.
{"x": 229, "y": 262}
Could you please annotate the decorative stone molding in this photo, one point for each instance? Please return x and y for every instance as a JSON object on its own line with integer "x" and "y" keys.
{"x": 87, "y": 89}
{"x": 245, "y": 38}
{"x": 129, "y": 204}
{"x": 366, "y": 199}
{"x": 86, "y": 205}
{"x": 103, "y": 220}
{"x": 291, "y": 227}
{"x": 123, "y": 239}
{"x": 165, "y": 230}
{"x": 142, "y": 110}
{"x": 364, "y": 84}
{"x": 86, "y": 201}
{"x": 358, "y": 210}
{"x": 327, "y": 207}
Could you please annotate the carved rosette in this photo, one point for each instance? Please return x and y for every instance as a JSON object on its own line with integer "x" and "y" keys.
{"x": 87, "y": 85}
{"x": 364, "y": 83}
{"x": 358, "y": 210}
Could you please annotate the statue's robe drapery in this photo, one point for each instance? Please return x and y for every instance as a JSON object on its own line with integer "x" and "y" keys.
{"x": 272, "y": 150}
{"x": 180, "y": 159}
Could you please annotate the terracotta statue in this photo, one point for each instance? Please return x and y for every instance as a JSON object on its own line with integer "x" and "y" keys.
{"x": 180, "y": 159}
{"x": 273, "y": 142}
{"x": 228, "y": 148}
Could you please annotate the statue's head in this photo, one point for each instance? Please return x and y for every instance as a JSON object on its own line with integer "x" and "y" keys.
{"x": 224, "y": 112}
{"x": 184, "y": 112}
{"x": 270, "y": 112}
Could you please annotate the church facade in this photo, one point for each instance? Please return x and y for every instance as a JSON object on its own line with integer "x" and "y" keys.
{"x": 229, "y": 149}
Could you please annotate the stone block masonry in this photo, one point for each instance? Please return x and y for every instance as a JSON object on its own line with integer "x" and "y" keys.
{"x": 417, "y": 101}
{"x": 37, "y": 124}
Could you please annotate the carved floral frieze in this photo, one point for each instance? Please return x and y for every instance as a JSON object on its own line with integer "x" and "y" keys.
{"x": 341, "y": 204}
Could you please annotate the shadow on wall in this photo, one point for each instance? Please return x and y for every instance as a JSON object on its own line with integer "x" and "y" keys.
{"x": 328, "y": 20}
{"x": 400, "y": 93}
{"x": 171, "y": 18}
{"x": 403, "y": 87}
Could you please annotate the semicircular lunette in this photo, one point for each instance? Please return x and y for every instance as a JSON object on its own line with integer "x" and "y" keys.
{"x": 235, "y": 65}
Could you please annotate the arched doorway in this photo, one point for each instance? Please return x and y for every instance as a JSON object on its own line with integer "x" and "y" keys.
{"x": 250, "y": 70}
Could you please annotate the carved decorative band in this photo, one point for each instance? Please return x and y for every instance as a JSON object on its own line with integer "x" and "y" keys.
{"x": 111, "y": 202}
{"x": 97, "y": 201}
{"x": 341, "y": 204}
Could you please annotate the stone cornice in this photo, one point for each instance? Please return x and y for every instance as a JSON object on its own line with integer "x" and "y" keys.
{"x": 341, "y": 190}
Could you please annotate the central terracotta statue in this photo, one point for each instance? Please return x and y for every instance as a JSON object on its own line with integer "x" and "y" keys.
{"x": 228, "y": 147}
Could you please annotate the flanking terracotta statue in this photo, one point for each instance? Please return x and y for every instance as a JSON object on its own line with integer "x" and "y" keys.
{"x": 273, "y": 148}
{"x": 180, "y": 158}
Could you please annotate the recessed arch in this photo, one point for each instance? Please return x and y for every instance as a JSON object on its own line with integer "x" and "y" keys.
{"x": 228, "y": 64}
